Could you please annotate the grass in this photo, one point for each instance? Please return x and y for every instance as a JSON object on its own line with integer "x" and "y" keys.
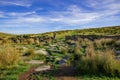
{"x": 95, "y": 59}
{"x": 39, "y": 57}
{"x": 87, "y": 76}
{"x": 10, "y": 63}
{"x": 8, "y": 56}
{"x": 12, "y": 73}
{"x": 112, "y": 30}
{"x": 43, "y": 77}
{"x": 95, "y": 62}
{"x": 93, "y": 77}
{"x": 57, "y": 54}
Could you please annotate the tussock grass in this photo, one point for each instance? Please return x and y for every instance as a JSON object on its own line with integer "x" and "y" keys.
{"x": 104, "y": 42}
{"x": 9, "y": 56}
{"x": 99, "y": 62}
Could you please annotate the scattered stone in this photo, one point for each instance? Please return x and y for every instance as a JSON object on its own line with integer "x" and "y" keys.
{"x": 35, "y": 62}
{"x": 117, "y": 57}
{"x": 41, "y": 52}
{"x": 62, "y": 62}
{"x": 117, "y": 52}
{"x": 42, "y": 68}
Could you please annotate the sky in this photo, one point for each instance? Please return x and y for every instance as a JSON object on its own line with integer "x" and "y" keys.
{"x": 39, "y": 16}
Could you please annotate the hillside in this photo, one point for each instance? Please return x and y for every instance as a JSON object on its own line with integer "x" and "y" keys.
{"x": 5, "y": 35}
{"x": 69, "y": 53}
{"x": 112, "y": 30}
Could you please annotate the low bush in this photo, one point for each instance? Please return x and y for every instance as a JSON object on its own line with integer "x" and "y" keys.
{"x": 9, "y": 56}
{"x": 64, "y": 50}
{"x": 99, "y": 62}
{"x": 29, "y": 52}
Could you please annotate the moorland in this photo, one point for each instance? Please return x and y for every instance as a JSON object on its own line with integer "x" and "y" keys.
{"x": 81, "y": 54}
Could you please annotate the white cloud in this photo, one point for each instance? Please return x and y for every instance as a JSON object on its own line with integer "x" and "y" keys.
{"x": 16, "y": 2}
{"x": 104, "y": 5}
{"x": 1, "y": 15}
{"x": 74, "y": 15}
{"x": 31, "y": 20}
{"x": 16, "y": 14}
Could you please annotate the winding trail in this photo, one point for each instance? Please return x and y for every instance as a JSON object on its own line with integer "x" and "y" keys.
{"x": 41, "y": 67}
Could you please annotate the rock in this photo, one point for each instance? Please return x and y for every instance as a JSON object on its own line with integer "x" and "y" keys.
{"x": 117, "y": 57}
{"x": 62, "y": 62}
{"x": 66, "y": 57}
{"x": 24, "y": 48}
{"x": 35, "y": 62}
{"x": 42, "y": 68}
{"x": 117, "y": 52}
{"x": 41, "y": 52}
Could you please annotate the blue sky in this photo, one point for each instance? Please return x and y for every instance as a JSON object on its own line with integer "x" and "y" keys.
{"x": 38, "y": 16}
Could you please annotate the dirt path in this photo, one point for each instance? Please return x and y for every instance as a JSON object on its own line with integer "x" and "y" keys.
{"x": 41, "y": 67}
{"x": 63, "y": 73}
{"x": 66, "y": 78}
{"x": 24, "y": 76}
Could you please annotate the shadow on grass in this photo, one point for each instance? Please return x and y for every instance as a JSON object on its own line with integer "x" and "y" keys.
{"x": 67, "y": 72}
{"x": 53, "y": 73}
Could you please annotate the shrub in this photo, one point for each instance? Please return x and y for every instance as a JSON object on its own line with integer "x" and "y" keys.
{"x": 77, "y": 48}
{"x": 99, "y": 62}
{"x": 9, "y": 56}
{"x": 29, "y": 52}
{"x": 64, "y": 50}
{"x": 39, "y": 57}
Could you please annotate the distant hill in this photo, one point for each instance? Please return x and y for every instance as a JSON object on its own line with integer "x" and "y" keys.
{"x": 58, "y": 35}
{"x": 5, "y": 35}
{"x": 112, "y": 30}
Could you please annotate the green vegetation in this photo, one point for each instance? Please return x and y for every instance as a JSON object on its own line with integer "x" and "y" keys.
{"x": 8, "y": 56}
{"x": 10, "y": 63}
{"x": 28, "y": 38}
{"x": 12, "y": 73}
{"x": 90, "y": 53}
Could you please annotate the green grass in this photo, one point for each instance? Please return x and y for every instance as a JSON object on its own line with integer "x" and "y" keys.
{"x": 112, "y": 30}
{"x": 38, "y": 57}
{"x": 93, "y": 77}
{"x": 50, "y": 76}
{"x": 12, "y": 74}
{"x": 43, "y": 77}
{"x": 57, "y": 55}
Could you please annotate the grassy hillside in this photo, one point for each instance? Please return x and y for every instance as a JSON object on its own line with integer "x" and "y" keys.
{"x": 82, "y": 54}
{"x": 112, "y": 30}
{"x": 4, "y": 35}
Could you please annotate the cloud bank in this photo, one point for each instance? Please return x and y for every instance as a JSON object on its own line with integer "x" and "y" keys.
{"x": 93, "y": 13}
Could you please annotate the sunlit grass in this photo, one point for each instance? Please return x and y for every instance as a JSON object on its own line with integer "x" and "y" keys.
{"x": 8, "y": 56}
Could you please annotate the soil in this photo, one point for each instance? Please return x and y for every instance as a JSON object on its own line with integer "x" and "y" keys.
{"x": 63, "y": 73}
{"x": 66, "y": 78}
{"x": 24, "y": 76}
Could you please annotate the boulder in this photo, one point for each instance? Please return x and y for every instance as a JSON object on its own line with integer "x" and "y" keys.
{"x": 117, "y": 52}
{"x": 35, "y": 62}
{"x": 42, "y": 68}
{"x": 41, "y": 51}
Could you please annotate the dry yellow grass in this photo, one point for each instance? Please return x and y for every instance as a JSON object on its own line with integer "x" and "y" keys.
{"x": 8, "y": 56}
{"x": 99, "y": 61}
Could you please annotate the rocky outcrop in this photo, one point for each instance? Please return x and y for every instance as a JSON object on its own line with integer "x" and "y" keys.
{"x": 91, "y": 37}
{"x": 30, "y": 39}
